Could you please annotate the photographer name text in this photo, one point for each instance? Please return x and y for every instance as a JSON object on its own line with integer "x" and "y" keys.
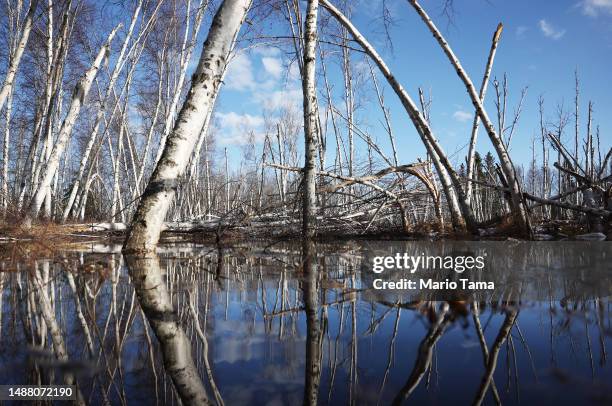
{"x": 416, "y": 263}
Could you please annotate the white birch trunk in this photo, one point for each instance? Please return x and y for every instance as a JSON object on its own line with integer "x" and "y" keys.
{"x": 9, "y": 79}
{"x": 309, "y": 90}
{"x": 92, "y": 138}
{"x": 160, "y": 191}
{"x": 5, "y": 154}
{"x": 519, "y": 209}
{"x": 78, "y": 97}
{"x": 423, "y": 129}
{"x": 186, "y": 51}
{"x": 227, "y": 184}
{"x": 476, "y": 123}
{"x": 48, "y": 95}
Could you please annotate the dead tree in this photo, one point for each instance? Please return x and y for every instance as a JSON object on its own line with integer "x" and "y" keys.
{"x": 450, "y": 180}
{"x": 476, "y": 123}
{"x": 519, "y": 209}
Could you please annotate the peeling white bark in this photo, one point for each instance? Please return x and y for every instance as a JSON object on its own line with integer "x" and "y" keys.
{"x": 9, "y": 79}
{"x": 420, "y": 123}
{"x": 481, "y": 96}
{"x": 309, "y": 90}
{"x": 519, "y": 209}
{"x": 160, "y": 191}
{"x": 78, "y": 97}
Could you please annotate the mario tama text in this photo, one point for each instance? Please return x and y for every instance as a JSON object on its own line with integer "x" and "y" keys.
{"x": 402, "y": 265}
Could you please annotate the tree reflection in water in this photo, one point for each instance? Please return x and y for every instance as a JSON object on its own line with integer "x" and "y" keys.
{"x": 314, "y": 332}
{"x": 252, "y": 325}
{"x": 156, "y": 304}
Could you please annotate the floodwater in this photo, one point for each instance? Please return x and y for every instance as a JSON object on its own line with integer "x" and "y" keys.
{"x": 249, "y": 325}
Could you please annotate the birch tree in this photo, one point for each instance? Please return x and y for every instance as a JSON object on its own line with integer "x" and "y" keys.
{"x": 309, "y": 91}
{"x": 93, "y": 136}
{"x": 519, "y": 209}
{"x": 16, "y": 55}
{"x": 161, "y": 189}
{"x": 454, "y": 195}
{"x": 312, "y": 374}
{"x": 79, "y": 94}
{"x": 476, "y": 122}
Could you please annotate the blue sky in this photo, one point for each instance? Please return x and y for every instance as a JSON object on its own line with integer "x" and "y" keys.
{"x": 542, "y": 44}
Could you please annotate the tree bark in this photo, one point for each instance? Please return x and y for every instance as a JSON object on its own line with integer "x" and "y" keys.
{"x": 78, "y": 97}
{"x": 9, "y": 79}
{"x": 309, "y": 90}
{"x": 153, "y": 207}
{"x": 421, "y": 125}
{"x": 519, "y": 209}
{"x": 476, "y": 123}
{"x": 4, "y": 193}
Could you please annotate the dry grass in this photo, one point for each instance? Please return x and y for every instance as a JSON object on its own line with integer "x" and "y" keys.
{"x": 47, "y": 240}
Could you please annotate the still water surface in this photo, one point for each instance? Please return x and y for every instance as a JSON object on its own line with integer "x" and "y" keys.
{"x": 245, "y": 325}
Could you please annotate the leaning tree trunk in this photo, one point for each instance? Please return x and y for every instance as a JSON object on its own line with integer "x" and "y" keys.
{"x": 185, "y": 59}
{"x": 9, "y": 79}
{"x": 309, "y": 90}
{"x": 157, "y": 197}
{"x": 155, "y": 301}
{"x": 476, "y": 123}
{"x": 100, "y": 114}
{"x": 78, "y": 97}
{"x": 519, "y": 209}
{"x": 419, "y": 122}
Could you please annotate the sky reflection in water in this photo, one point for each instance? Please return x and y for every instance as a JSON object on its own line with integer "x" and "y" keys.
{"x": 376, "y": 347}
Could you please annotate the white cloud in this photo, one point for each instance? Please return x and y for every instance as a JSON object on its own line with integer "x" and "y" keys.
{"x": 240, "y": 73}
{"x": 243, "y": 76}
{"x": 521, "y": 30}
{"x": 462, "y": 116}
{"x": 260, "y": 77}
{"x": 289, "y": 97}
{"x": 236, "y": 129}
{"x": 266, "y": 51}
{"x": 284, "y": 98}
{"x": 273, "y": 66}
{"x": 593, "y": 8}
{"x": 549, "y": 31}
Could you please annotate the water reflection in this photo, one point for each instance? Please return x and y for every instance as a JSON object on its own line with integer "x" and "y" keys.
{"x": 259, "y": 325}
{"x": 314, "y": 332}
{"x": 156, "y": 304}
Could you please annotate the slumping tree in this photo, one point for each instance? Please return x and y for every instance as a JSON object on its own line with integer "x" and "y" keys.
{"x": 206, "y": 81}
